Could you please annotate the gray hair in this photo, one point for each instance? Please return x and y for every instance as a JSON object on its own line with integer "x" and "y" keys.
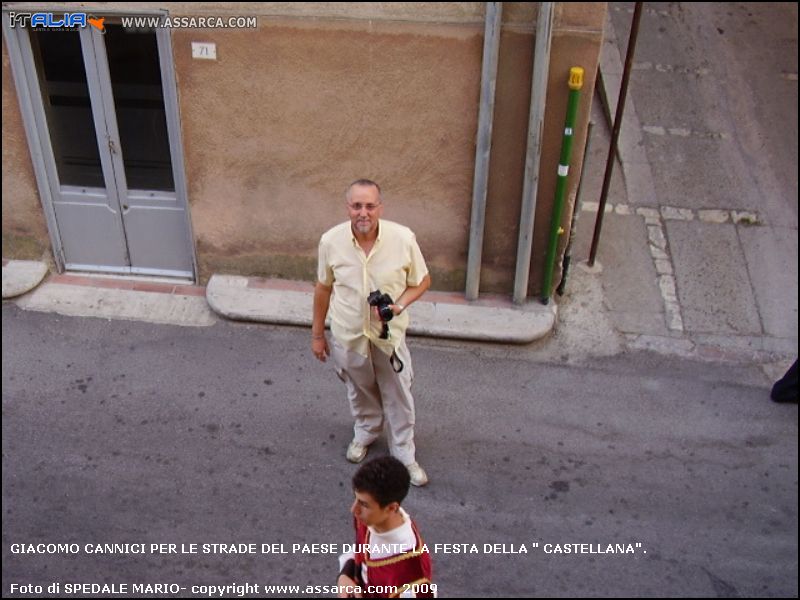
{"x": 363, "y": 182}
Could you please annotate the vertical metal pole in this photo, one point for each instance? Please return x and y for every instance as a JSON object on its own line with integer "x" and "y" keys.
{"x": 575, "y": 85}
{"x": 623, "y": 94}
{"x": 541, "y": 65}
{"x": 491, "y": 47}
{"x": 575, "y": 211}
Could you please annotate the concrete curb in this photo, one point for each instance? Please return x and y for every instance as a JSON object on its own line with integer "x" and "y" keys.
{"x": 106, "y": 300}
{"x": 272, "y": 301}
{"x": 21, "y": 276}
{"x": 443, "y": 315}
{"x": 283, "y": 303}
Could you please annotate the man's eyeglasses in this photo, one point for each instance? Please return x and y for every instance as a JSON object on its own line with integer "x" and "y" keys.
{"x": 357, "y": 206}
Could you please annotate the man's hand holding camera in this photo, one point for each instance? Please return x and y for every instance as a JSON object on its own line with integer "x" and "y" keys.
{"x": 384, "y": 309}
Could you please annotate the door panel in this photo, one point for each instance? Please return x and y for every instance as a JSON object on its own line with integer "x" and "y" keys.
{"x": 88, "y": 217}
{"x": 155, "y": 222}
{"x": 109, "y": 140}
{"x": 152, "y": 239}
{"x": 67, "y": 106}
{"x": 90, "y": 230}
{"x": 133, "y": 64}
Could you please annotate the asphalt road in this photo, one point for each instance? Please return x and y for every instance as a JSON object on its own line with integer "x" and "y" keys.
{"x": 120, "y": 432}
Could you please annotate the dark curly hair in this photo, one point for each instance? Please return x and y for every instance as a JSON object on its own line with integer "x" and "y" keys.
{"x": 384, "y": 478}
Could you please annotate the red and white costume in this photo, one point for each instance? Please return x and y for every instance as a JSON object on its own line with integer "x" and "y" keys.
{"x": 392, "y": 559}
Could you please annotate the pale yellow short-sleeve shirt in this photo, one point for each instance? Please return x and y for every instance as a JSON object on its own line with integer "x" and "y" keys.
{"x": 394, "y": 263}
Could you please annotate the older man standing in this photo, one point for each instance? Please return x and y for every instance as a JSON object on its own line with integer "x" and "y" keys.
{"x": 357, "y": 257}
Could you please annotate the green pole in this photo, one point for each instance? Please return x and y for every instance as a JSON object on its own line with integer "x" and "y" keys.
{"x": 575, "y": 85}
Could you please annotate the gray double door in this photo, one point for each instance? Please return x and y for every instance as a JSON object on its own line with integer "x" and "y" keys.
{"x": 110, "y": 138}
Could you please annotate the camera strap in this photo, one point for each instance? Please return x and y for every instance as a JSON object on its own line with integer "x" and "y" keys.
{"x": 394, "y": 360}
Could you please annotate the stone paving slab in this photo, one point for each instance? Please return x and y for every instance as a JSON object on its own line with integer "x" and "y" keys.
{"x": 712, "y": 280}
{"x": 771, "y": 254}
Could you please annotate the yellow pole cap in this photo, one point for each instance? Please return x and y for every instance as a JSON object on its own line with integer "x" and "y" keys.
{"x": 576, "y": 78}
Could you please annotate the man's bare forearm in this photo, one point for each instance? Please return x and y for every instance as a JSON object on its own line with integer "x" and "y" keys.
{"x": 413, "y": 293}
{"x": 322, "y": 301}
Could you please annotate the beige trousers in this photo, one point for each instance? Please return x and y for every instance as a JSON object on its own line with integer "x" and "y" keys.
{"x": 375, "y": 393}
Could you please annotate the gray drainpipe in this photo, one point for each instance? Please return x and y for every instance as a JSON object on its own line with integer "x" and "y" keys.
{"x": 491, "y": 47}
{"x": 541, "y": 64}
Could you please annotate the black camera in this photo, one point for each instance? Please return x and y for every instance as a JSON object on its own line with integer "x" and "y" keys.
{"x": 383, "y": 302}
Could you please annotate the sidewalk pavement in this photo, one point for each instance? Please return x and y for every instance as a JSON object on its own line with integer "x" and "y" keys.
{"x": 282, "y": 302}
{"x": 690, "y": 261}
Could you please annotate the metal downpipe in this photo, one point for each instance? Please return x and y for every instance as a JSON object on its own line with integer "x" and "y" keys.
{"x": 541, "y": 65}
{"x": 483, "y": 145}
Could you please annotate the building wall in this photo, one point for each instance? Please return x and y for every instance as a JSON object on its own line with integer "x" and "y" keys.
{"x": 24, "y": 229}
{"x": 325, "y": 93}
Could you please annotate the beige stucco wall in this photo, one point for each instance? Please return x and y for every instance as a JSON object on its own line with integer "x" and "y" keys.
{"x": 324, "y": 93}
{"x": 24, "y": 229}
{"x": 302, "y": 109}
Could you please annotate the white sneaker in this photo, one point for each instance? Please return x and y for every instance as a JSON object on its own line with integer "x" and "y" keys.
{"x": 356, "y": 452}
{"x": 418, "y": 475}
